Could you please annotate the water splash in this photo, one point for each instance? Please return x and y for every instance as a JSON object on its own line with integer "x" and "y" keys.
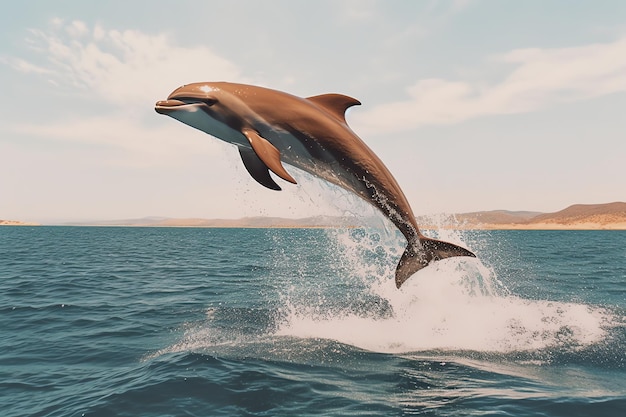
{"x": 454, "y": 305}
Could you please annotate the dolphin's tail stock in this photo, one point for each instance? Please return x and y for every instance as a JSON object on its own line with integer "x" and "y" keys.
{"x": 421, "y": 252}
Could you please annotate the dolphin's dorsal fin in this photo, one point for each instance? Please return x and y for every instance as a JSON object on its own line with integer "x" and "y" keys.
{"x": 268, "y": 154}
{"x": 336, "y": 104}
{"x": 257, "y": 169}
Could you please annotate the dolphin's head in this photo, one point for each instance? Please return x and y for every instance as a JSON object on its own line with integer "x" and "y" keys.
{"x": 190, "y": 97}
{"x": 208, "y": 107}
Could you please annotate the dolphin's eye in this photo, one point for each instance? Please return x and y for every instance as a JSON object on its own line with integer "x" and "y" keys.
{"x": 209, "y": 101}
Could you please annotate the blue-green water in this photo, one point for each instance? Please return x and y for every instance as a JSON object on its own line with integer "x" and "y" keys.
{"x": 304, "y": 322}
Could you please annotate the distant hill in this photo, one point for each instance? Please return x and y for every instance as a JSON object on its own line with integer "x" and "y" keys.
{"x": 578, "y": 216}
{"x": 16, "y": 223}
{"x": 497, "y": 217}
{"x": 317, "y": 221}
{"x": 585, "y": 213}
{"x": 259, "y": 222}
{"x": 144, "y": 221}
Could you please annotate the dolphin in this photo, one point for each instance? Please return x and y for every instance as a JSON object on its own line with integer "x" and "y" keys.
{"x": 270, "y": 127}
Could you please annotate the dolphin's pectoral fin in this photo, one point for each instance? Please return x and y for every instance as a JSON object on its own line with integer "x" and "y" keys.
{"x": 336, "y": 104}
{"x": 268, "y": 154}
{"x": 257, "y": 169}
{"x": 415, "y": 257}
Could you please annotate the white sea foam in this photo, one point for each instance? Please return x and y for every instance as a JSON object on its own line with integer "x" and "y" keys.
{"x": 455, "y": 304}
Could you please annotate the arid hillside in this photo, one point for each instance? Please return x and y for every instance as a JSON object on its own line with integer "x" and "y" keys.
{"x": 610, "y": 216}
{"x": 15, "y": 223}
{"x": 575, "y": 217}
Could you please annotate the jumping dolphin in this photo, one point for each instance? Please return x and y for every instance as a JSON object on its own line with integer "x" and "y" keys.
{"x": 312, "y": 134}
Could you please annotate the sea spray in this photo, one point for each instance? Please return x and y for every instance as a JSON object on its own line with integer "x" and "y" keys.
{"x": 452, "y": 305}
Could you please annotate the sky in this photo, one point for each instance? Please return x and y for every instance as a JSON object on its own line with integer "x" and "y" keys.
{"x": 473, "y": 105}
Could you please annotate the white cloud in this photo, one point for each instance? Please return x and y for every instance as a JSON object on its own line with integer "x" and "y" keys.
{"x": 77, "y": 29}
{"x": 129, "y": 71}
{"x": 160, "y": 144}
{"x": 358, "y": 10}
{"x": 460, "y": 5}
{"x": 25, "y": 66}
{"x": 540, "y": 78}
{"x": 124, "y": 67}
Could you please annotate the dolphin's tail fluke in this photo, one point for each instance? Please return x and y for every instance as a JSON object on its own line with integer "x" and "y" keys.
{"x": 420, "y": 253}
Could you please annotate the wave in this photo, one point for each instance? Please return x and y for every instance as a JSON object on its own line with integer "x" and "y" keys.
{"x": 456, "y": 306}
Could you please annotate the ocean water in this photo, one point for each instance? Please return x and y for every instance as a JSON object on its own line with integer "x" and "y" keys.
{"x": 99, "y": 321}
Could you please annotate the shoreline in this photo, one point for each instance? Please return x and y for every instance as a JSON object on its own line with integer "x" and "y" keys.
{"x": 17, "y": 223}
{"x": 537, "y": 226}
{"x": 484, "y": 227}
{"x": 608, "y": 216}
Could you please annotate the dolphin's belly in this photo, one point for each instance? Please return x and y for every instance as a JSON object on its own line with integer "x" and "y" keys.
{"x": 195, "y": 117}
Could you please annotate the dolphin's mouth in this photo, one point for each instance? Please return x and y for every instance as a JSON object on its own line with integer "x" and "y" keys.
{"x": 171, "y": 105}
{"x": 167, "y": 106}
{"x": 182, "y": 103}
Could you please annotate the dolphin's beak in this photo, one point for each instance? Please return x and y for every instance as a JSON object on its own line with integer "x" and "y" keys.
{"x": 167, "y": 106}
